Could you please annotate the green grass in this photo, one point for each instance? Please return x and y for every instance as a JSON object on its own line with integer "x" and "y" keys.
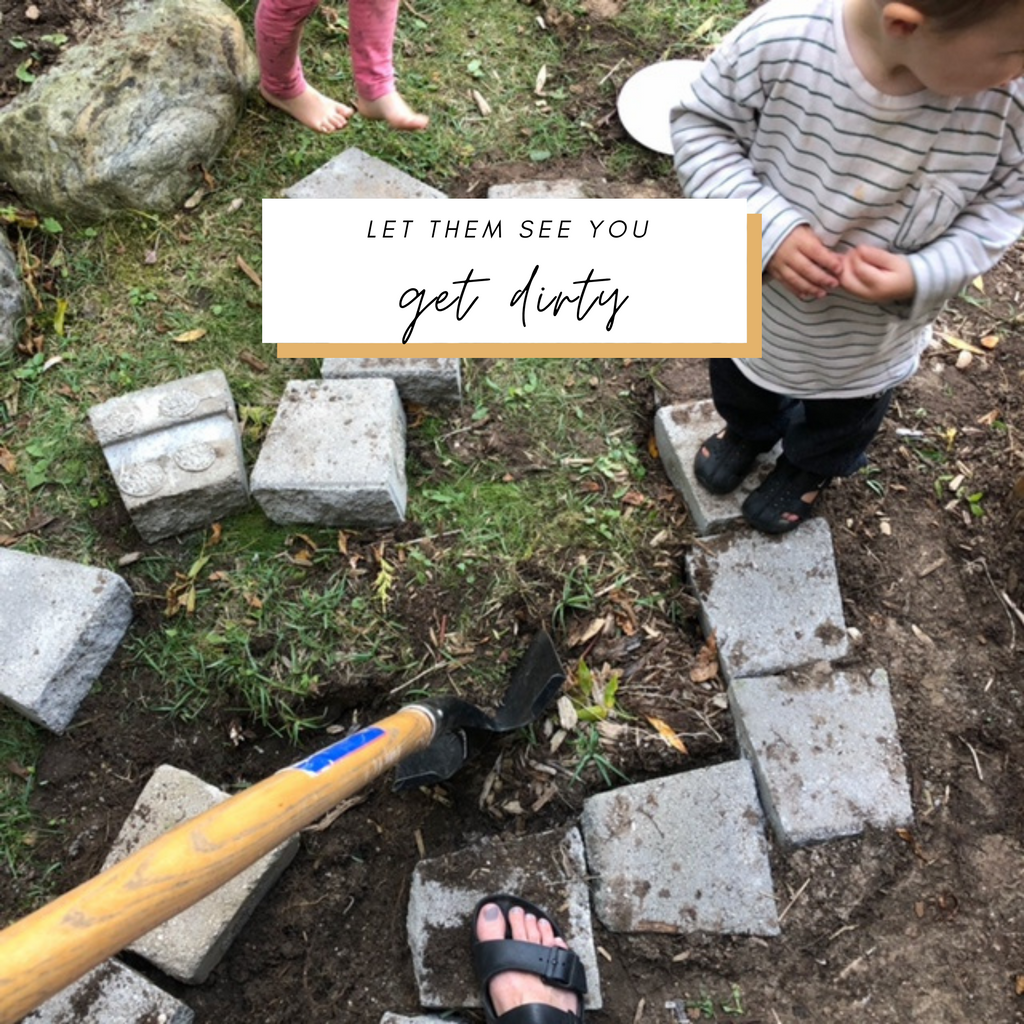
{"x": 541, "y": 531}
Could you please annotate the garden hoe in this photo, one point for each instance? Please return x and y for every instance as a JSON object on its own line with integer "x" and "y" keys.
{"x": 46, "y": 951}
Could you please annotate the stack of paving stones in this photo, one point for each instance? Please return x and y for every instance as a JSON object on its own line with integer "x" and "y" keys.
{"x": 820, "y": 757}
{"x": 822, "y": 739}
{"x": 335, "y": 453}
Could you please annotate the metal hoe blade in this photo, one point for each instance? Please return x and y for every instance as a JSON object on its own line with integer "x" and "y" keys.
{"x": 536, "y": 682}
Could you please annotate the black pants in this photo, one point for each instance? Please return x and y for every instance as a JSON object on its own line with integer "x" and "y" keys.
{"x": 827, "y": 436}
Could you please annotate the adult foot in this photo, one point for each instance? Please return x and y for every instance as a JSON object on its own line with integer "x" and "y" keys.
{"x": 313, "y": 109}
{"x": 507, "y": 989}
{"x": 393, "y": 109}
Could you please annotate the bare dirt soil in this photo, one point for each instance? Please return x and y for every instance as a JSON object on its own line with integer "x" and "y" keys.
{"x": 926, "y": 924}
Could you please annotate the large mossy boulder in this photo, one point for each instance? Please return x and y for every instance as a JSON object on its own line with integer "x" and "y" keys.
{"x": 127, "y": 117}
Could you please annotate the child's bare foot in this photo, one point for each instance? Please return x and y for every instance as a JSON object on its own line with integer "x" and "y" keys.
{"x": 393, "y": 109}
{"x": 313, "y": 109}
{"x": 507, "y": 989}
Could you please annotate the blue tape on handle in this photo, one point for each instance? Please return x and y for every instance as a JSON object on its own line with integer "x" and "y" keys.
{"x": 331, "y": 755}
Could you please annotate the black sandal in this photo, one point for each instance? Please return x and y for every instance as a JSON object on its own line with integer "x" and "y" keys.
{"x": 560, "y": 968}
{"x": 729, "y": 460}
{"x": 778, "y": 505}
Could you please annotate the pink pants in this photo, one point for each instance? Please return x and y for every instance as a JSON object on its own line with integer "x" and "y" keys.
{"x": 371, "y": 35}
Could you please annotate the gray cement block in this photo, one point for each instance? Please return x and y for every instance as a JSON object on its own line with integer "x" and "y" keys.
{"x": 112, "y": 994}
{"x": 685, "y": 853}
{"x": 175, "y": 452}
{"x": 191, "y": 944}
{"x": 825, "y": 752}
{"x": 353, "y": 174}
{"x": 774, "y": 601}
{"x": 680, "y": 430}
{"x": 565, "y": 188}
{"x": 547, "y": 869}
{"x": 424, "y": 381}
{"x": 334, "y": 455}
{"x": 62, "y": 624}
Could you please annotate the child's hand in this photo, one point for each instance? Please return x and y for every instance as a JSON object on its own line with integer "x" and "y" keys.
{"x": 876, "y": 275}
{"x": 804, "y": 265}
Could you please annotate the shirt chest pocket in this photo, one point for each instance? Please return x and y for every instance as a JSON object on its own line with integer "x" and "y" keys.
{"x": 936, "y": 205}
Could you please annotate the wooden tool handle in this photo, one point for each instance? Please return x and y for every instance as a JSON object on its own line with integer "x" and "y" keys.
{"x": 46, "y": 951}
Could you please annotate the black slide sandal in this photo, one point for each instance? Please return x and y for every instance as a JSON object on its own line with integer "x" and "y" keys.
{"x": 560, "y": 968}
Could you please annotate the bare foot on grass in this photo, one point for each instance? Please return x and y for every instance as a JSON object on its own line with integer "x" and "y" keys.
{"x": 393, "y": 109}
{"x": 510, "y": 989}
{"x": 313, "y": 109}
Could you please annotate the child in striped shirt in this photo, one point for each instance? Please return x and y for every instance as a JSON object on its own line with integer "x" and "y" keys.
{"x": 882, "y": 142}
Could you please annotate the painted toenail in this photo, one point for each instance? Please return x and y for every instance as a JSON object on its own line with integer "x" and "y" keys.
{"x": 491, "y": 913}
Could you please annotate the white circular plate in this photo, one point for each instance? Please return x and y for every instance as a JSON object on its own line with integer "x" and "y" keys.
{"x": 648, "y": 96}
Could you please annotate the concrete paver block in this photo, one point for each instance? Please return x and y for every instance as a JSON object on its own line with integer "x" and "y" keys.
{"x": 685, "y": 853}
{"x": 112, "y": 994}
{"x": 62, "y": 624}
{"x": 334, "y": 455}
{"x": 353, "y": 174}
{"x": 192, "y": 943}
{"x": 825, "y": 751}
{"x": 565, "y": 188}
{"x": 175, "y": 452}
{"x": 547, "y": 869}
{"x": 424, "y": 381}
{"x": 773, "y": 601}
{"x": 680, "y": 430}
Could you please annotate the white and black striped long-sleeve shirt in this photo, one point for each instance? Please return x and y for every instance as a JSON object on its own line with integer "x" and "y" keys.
{"x": 782, "y": 116}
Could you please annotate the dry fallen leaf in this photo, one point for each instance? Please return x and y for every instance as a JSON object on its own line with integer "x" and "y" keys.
{"x": 16, "y": 768}
{"x": 195, "y": 199}
{"x": 249, "y": 272}
{"x": 190, "y": 336}
{"x": 705, "y": 668}
{"x": 667, "y": 733}
{"x": 959, "y": 343}
{"x": 542, "y": 77}
{"x": 579, "y": 637}
{"x": 1020, "y": 984}
{"x": 652, "y": 446}
{"x": 482, "y": 105}
{"x": 8, "y": 460}
{"x": 921, "y": 635}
